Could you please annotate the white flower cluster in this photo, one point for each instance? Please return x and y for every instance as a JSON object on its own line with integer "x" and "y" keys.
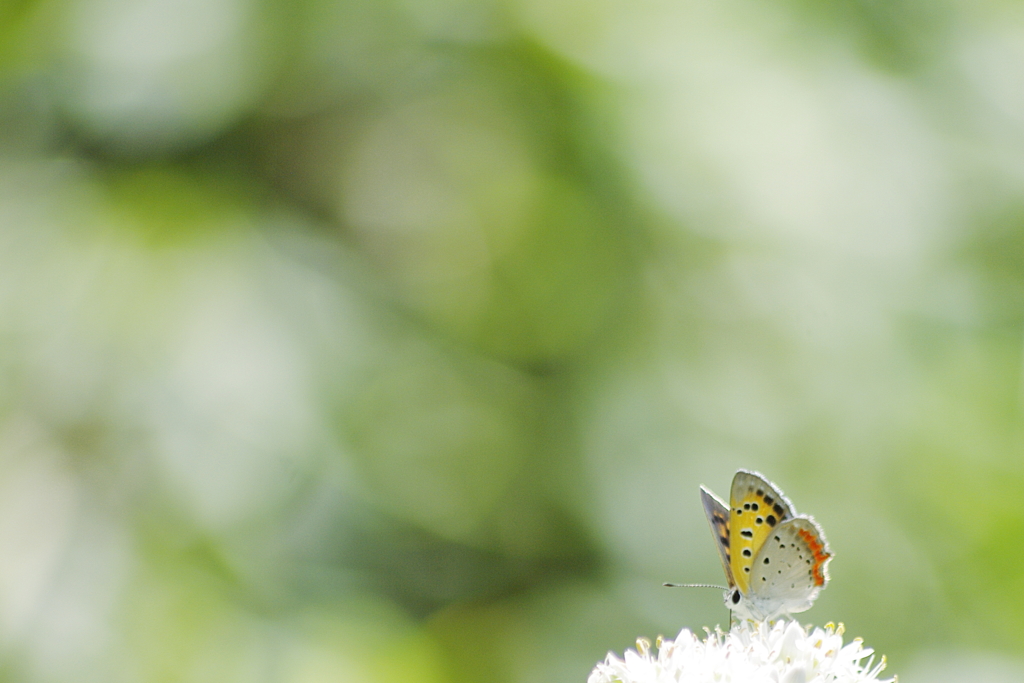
{"x": 783, "y": 652}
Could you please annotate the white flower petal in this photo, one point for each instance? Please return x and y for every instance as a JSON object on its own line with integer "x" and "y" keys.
{"x": 783, "y": 652}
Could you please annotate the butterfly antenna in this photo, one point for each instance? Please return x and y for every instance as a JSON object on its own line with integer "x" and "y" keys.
{"x": 694, "y": 585}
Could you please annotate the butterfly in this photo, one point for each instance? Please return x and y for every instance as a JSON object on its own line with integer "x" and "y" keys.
{"x": 776, "y": 561}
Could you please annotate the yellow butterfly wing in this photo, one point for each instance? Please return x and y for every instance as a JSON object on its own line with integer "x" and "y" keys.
{"x": 757, "y": 507}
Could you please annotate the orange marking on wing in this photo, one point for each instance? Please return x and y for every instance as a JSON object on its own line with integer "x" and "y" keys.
{"x": 819, "y": 555}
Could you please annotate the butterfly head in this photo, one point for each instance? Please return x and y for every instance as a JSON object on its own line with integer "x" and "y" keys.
{"x": 742, "y": 607}
{"x": 765, "y": 608}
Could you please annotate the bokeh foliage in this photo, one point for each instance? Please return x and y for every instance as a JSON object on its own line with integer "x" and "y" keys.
{"x": 389, "y": 340}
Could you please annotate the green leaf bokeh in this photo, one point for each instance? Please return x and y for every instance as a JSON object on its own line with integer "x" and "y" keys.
{"x": 390, "y": 340}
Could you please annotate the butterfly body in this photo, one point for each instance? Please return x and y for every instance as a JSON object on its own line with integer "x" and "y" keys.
{"x": 775, "y": 561}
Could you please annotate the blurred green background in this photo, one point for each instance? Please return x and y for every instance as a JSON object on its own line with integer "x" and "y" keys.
{"x": 390, "y": 340}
